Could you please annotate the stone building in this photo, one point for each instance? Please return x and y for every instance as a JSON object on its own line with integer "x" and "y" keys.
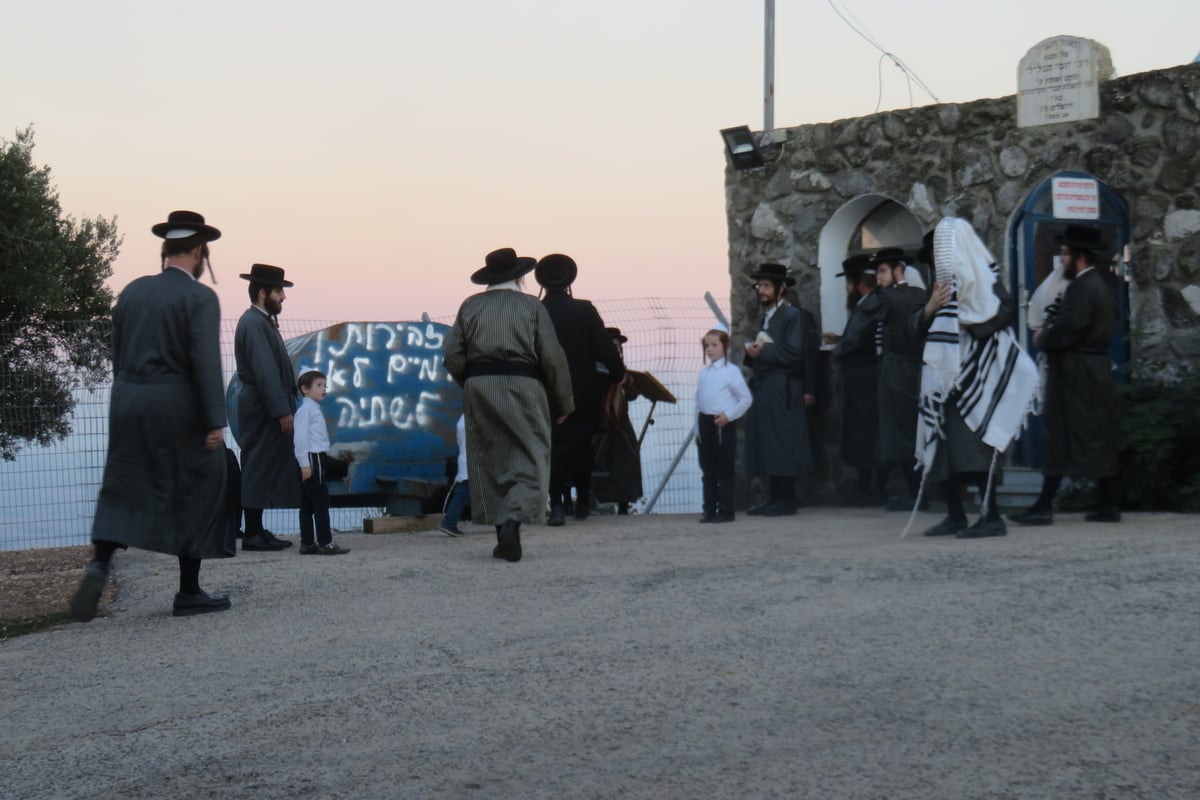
{"x": 855, "y": 185}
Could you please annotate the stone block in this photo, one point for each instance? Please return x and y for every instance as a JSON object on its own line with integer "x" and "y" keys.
{"x": 1181, "y": 224}
{"x": 1014, "y": 161}
{"x": 1181, "y": 137}
{"x": 1158, "y": 92}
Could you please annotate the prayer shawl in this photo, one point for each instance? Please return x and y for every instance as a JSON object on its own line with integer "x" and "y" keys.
{"x": 1043, "y": 306}
{"x": 992, "y": 381}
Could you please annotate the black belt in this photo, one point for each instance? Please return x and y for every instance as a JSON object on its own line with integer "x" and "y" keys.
{"x": 519, "y": 368}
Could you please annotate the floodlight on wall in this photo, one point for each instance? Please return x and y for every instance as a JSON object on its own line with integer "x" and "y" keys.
{"x": 742, "y": 148}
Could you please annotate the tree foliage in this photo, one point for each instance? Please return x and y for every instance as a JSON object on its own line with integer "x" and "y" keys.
{"x": 55, "y": 310}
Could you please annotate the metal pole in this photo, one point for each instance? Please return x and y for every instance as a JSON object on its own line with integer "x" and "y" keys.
{"x": 769, "y": 65}
{"x": 671, "y": 469}
{"x": 716, "y": 309}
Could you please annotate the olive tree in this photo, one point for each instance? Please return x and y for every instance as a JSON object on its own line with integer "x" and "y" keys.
{"x": 55, "y": 310}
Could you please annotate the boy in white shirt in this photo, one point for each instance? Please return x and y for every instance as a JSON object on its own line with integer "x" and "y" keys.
{"x": 311, "y": 441}
{"x": 722, "y": 397}
{"x": 460, "y": 494}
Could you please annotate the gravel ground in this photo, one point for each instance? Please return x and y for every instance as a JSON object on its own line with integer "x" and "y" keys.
{"x": 819, "y": 656}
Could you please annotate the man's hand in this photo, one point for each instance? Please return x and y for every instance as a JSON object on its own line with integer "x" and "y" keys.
{"x": 305, "y": 473}
{"x": 941, "y": 296}
{"x": 285, "y": 423}
{"x": 810, "y": 400}
{"x": 754, "y": 349}
{"x": 828, "y": 337}
{"x": 720, "y": 420}
{"x": 214, "y": 438}
{"x": 561, "y": 420}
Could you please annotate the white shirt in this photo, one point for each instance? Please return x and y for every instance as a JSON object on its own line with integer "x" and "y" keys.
{"x": 461, "y": 435}
{"x": 309, "y": 432}
{"x": 721, "y": 389}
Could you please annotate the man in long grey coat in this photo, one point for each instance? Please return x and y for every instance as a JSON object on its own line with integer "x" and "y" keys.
{"x": 266, "y": 404}
{"x": 782, "y": 359}
{"x": 164, "y": 478}
{"x": 1081, "y": 395}
{"x": 503, "y": 350}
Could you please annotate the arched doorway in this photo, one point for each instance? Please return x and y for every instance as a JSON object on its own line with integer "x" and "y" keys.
{"x": 863, "y": 225}
{"x": 1033, "y": 249}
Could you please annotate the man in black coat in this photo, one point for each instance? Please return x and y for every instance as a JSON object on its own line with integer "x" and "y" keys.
{"x": 783, "y": 362}
{"x": 899, "y": 371}
{"x": 266, "y": 404}
{"x": 857, "y": 354}
{"x": 164, "y": 478}
{"x": 1081, "y": 396}
{"x": 586, "y": 343}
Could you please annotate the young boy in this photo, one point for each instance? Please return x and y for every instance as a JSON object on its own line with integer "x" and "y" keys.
{"x": 311, "y": 441}
{"x": 460, "y": 493}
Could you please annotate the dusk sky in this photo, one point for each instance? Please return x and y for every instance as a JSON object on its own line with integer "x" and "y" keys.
{"x": 377, "y": 150}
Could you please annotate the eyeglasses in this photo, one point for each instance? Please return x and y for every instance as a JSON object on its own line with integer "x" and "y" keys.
{"x": 762, "y": 285}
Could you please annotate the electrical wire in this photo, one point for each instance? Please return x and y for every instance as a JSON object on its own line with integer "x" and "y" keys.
{"x": 909, "y": 74}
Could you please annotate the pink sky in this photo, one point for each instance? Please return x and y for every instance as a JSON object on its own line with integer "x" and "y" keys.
{"x": 378, "y": 150}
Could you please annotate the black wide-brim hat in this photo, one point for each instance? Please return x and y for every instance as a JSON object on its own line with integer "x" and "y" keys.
{"x": 771, "y": 272}
{"x": 556, "y": 271}
{"x": 267, "y": 275}
{"x": 1083, "y": 237}
{"x": 615, "y": 333}
{"x": 889, "y": 255}
{"x": 925, "y": 254}
{"x": 184, "y": 225}
{"x": 856, "y": 265}
{"x": 502, "y": 265}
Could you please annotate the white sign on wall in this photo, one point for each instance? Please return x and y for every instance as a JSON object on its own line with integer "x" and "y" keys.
{"x": 1075, "y": 198}
{"x": 1058, "y": 80}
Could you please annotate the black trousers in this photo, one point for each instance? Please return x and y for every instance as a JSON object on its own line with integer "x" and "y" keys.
{"x": 572, "y": 458}
{"x": 314, "y": 505}
{"x": 718, "y": 455}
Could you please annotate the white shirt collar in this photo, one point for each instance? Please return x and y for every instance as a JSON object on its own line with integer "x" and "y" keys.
{"x": 510, "y": 286}
{"x": 184, "y": 271}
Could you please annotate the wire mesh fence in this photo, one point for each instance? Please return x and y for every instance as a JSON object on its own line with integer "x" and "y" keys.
{"x": 48, "y": 492}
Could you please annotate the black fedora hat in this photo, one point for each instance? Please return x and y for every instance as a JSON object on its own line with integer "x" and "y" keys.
{"x": 771, "y": 272}
{"x": 266, "y": 275}
{"x": 889, "y": 255}
{"x": 502, "y": 265}
{"x": 1083, "y": 237}
{"x": 616, "y": 334}
{"x": 860, "y": 264}
{"x": 925, "y": 254}
{"x": 184, "y": 225}
{"x": 556, "y": 271}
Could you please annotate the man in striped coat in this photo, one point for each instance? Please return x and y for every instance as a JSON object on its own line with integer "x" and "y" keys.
{"x": 503, "y": 350}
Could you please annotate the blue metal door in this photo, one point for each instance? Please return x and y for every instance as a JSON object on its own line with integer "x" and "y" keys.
{"x": 1032, "y": 249}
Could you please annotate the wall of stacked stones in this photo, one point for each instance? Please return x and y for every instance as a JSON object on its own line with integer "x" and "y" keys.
{"x": 971, "y": 160}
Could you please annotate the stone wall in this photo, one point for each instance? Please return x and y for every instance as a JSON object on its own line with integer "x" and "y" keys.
{"x": 971, "y": 160}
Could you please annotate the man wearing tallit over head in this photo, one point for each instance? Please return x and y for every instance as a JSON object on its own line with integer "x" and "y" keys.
{"x": 977, "y": 383}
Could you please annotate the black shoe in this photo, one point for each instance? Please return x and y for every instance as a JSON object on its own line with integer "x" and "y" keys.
{"x": 309, "y": 549}
{"x": 947, "y": 527}
{"x": 779, "y": 509}
{"x": 188, "y": 604}
{"x": 450, "y": 530}
{"x": 1033, "y": 516}
{"x": 1103, "y": 515}
{"x": 582, "y": 511}
{"x": 983, "y": 528}
{"x": 557, "y": 516}
{"x": 724, "y": 516}
{"x": 757, "y": 511}
{"x": 332, "y": 549}
{"x": 87, "y": 597}
{"x": 510, "y": 541}
{"x": 260, "y": 542}
{"x": 709, "y": 518}
{"x": 273, "y": 538}
{"x": 568, "y": 506}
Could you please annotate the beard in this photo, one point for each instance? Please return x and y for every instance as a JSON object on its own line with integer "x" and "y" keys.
{"x": 851, "y": 300}
{"x": 272, "y": 306}
{"x": 1070, "y": 271}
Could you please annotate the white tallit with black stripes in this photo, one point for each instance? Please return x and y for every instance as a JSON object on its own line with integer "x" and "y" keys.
{"x": 993, "y": 381}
